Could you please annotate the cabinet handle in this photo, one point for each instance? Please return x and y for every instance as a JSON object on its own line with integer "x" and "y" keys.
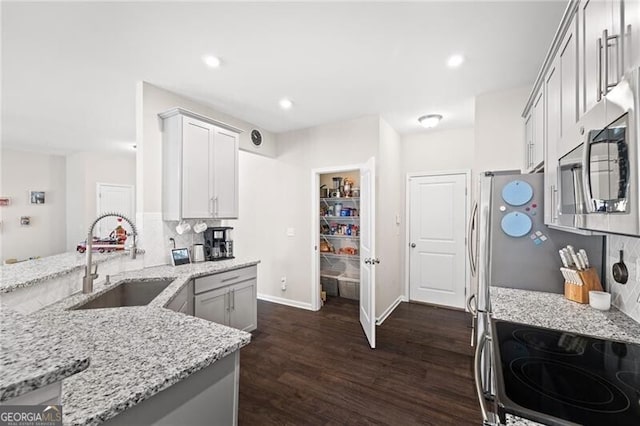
{"x": 599, "y": 69}
{"x": 607, "y": 38}
{"x": 227, "y": 301}
{"x": 233, "y": 299}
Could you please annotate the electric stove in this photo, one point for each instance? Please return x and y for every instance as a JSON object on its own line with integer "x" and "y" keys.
{"x": 561, "y": 378}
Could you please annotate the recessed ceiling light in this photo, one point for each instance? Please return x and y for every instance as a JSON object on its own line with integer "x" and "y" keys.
{"x": 429, "y": 121}
{"x": 455, "y": 61}
{"x": 211, "y": 61}
{"x": 286, "y": 103}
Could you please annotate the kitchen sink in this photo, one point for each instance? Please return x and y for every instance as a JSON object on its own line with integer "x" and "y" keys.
{"x": 129, "y": 293}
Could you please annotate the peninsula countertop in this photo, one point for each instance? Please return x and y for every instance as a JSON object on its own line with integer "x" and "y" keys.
{"x": 34, "y": 271}
{"x": 136, "y": 352}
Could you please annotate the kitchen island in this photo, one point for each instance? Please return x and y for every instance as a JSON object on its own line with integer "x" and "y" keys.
{"x": 146, "y": 362}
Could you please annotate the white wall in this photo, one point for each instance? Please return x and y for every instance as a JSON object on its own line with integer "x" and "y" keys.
{"x": 499, "y": 130}
{"x": 155, "y": 233}
{"x": 23, "y": 171}
{"x": 438, "y": 150}
{"x": 389, "y": 202}
{"x": 84, "y": 170}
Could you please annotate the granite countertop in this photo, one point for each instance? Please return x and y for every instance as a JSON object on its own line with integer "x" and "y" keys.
{"x": 552, "y": 310}
{"x": 32, "y": 357}
{"x": 134, "y": 352}
{"x": 30, "y": 272}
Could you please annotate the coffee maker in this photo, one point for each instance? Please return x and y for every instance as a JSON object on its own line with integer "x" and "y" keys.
{"x": 218, "y": 244}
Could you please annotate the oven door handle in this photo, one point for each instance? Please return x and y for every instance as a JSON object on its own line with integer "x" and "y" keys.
{"x": 488, "y": 418}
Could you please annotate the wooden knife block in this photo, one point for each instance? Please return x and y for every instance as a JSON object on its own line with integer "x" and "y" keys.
{"x": 580, "y": 293}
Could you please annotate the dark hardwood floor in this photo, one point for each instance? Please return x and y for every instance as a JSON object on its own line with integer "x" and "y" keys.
{"x": 316, "y": 368}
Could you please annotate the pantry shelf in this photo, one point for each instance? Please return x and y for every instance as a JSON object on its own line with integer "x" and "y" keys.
{"x": 340, "y": 256}
{"x": 339, "y": 236}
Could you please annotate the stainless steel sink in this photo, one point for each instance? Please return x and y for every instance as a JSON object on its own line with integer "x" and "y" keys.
{"x": 129, "y": 293}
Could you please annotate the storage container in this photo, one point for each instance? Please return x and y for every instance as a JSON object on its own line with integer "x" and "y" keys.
{"x": 349, "y": 286}
{"x": 329, "y": 282}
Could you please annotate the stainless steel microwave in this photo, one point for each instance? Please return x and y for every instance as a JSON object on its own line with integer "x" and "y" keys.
{"x": 598, "y": 180}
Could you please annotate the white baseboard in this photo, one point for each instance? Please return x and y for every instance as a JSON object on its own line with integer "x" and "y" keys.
{"x": 389, "y": 310}
{"x": 287, "y": 302}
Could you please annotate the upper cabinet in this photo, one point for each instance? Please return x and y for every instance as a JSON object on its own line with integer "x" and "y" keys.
{"x": 631, "y": 38}
{"x": 200, "y": 167}
{"x": 566, "y": 65}
{"x": 534, "y": 134}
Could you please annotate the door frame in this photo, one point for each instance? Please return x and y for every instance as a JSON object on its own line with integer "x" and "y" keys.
{"x": 315, "y": 226}
{"x": 407, "y": 218}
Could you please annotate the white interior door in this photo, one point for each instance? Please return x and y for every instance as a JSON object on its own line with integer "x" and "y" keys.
{"x": 113, "y": 198}
{"x": 437, "y": 223}
{"x": 367, "y": 251}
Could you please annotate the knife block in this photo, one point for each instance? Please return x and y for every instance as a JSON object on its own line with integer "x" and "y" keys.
{"x": 580, "y": 293}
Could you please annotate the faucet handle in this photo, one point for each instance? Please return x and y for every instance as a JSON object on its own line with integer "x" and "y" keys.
{"x": 95, "y": 270}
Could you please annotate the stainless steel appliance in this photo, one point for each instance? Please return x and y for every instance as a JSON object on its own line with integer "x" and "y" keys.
{"x": 559, "y": 378}
{"x": 571, "y": 205}
{"x": 511, "y": 247}
{"x": 218, "y": 244}
{"x": 610, "y": 162}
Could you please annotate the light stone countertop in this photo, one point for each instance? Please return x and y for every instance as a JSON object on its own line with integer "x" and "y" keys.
{"x": 552, "y": 310}
{"x": 31, "y": 356}
{"x": 134, "y": 352}
{"x": 34, "y": 271}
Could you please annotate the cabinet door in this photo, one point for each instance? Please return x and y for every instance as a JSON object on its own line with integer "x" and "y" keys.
{"x": 528, "y": 139}
{"x": 552, "y": 140}
{"x": 567, "y": 67}
{"x": 225, "y": 174}
{"x": 213, "y": 306}
{"x": 537, "y": 148}
{"x": 594, "y": 18}
{"x": 196, "y": 145}
{"x": 243, "y": 306}
{"x": 631, "y": 56}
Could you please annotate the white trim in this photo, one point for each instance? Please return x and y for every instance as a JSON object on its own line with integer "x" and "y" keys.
{"x": 286, "y": 302}
{"x": 315, "y": 226}
{"x": 181, "y": 111}
{"x": 407, "y": 210}
{"x": 389, "y": 310}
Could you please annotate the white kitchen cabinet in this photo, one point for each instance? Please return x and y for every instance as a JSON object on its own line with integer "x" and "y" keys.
{"x": 552, "y": 137}
{"x": 200, "y": 167}
{"x": 528, "y": 140}
{"x": 242, "y": 311}
{"x": 228, "y": 298}
{"x": 538, "y": 138}
{"x": 213, "y": 306}
{"x": 595, "y": 15}
{"x": 631, "y": 13}
{"x": 568, "y": 79}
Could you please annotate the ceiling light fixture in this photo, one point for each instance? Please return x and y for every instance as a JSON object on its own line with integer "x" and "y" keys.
{"x": 430, "y": 121}
{"x": 286, "y": 103}
{"x": 211, "y": 61}
{"x": 455, "y": 61}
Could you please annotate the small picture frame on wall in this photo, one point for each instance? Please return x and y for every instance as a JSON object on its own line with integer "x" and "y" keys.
{"x": 5, "y": 201}
{"x": 36, "y": 197}
{"x": 25, "y": 220}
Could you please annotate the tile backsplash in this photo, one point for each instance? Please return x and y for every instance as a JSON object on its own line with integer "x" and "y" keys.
{"x": 624, "y": 296}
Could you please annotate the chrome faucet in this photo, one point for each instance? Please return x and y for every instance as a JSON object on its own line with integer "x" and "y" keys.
{"x": 89, "y": 275}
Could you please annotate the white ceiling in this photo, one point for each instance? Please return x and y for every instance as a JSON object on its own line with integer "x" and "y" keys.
{"x": 69, "y": 70}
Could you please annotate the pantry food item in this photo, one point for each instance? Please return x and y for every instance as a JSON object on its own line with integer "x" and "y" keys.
{"x": 351, "y": 251}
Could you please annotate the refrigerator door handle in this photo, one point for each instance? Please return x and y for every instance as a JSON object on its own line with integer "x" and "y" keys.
{"x": 472, "y": 228}
{"x": 488, "y": 418}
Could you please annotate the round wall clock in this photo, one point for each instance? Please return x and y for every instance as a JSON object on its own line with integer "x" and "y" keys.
{"x": 256, "y": 137}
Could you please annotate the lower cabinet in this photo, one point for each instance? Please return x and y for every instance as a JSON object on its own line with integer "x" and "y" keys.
{"x": 228, "y": 298}
{"x": 183, "y": 301}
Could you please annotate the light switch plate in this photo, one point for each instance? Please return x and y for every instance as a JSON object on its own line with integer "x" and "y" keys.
{"x": 291, "y": 232}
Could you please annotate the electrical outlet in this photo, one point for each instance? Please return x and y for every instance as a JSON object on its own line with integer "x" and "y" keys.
{"x": 283, "y": 283}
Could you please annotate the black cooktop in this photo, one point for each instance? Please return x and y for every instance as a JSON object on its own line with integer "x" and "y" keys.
{"x": 561, "y": 378}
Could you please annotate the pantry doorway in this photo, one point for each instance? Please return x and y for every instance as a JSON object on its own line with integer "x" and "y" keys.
{"x": 343, "y": 230}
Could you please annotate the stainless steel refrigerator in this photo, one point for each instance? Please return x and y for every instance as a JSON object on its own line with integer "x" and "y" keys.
{"x": 510, "y": 246}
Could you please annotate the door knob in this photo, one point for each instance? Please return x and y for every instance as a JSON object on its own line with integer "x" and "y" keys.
{"x": 376, "y": 261}
{"x": 367, "y": 261}
{"x": 413, "y": 245}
